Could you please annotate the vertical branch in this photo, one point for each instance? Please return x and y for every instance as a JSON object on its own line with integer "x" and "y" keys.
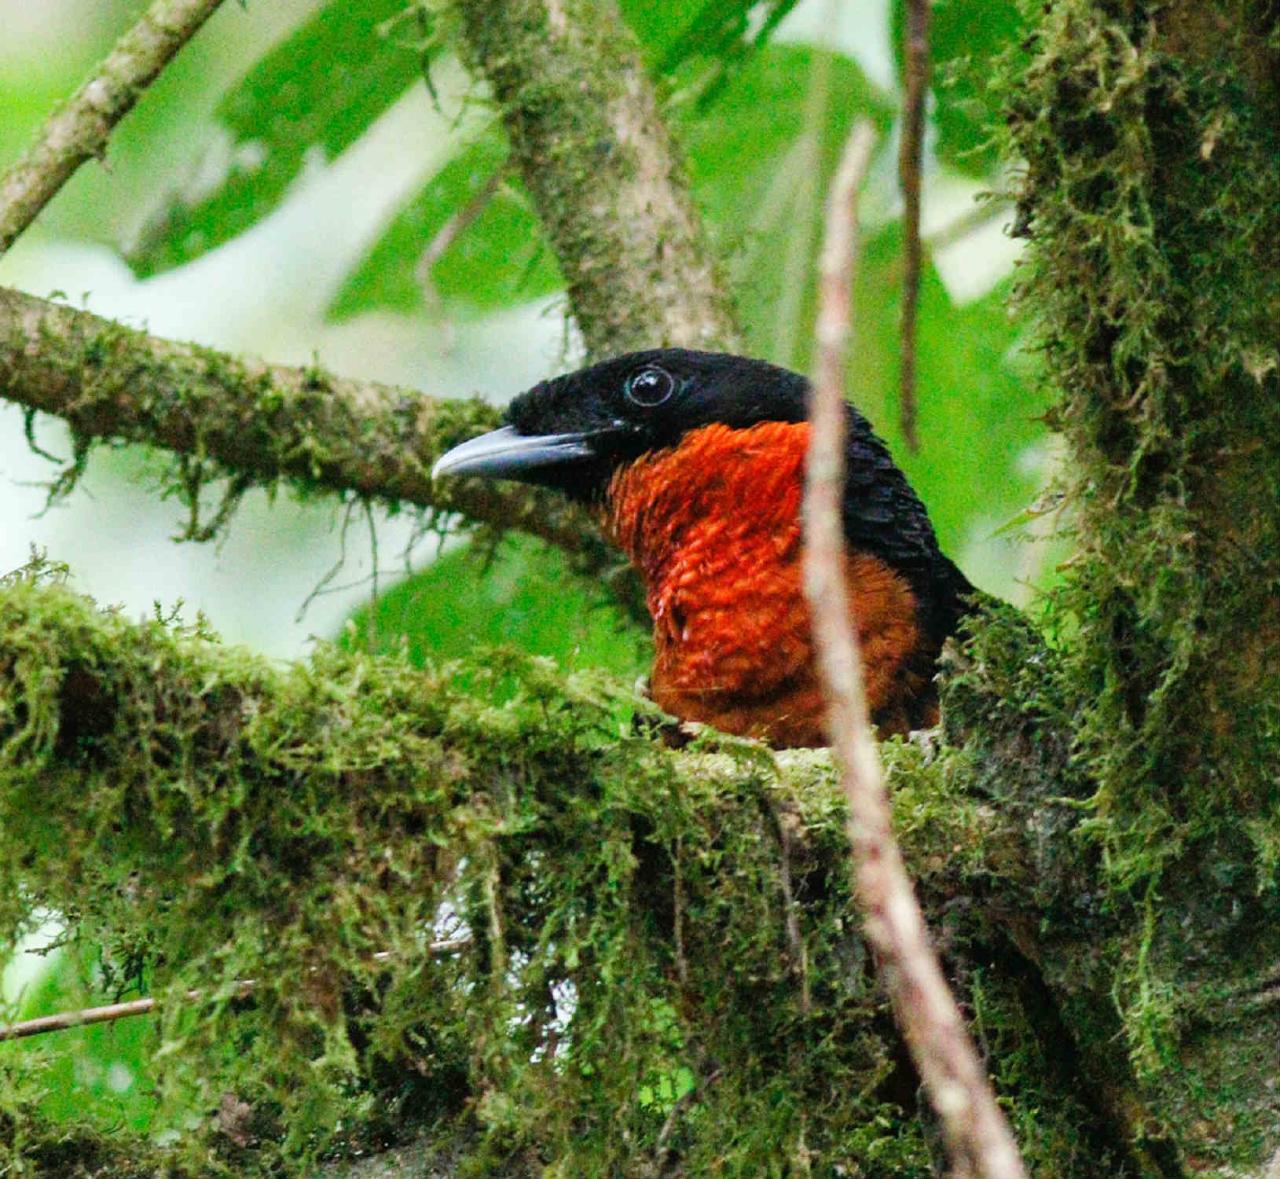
{"x": 978, "y": 1140}
{"x": 916, "y": 70}
{"x": 80, "y": 129}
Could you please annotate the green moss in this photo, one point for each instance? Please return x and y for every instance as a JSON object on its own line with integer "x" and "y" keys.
{"x": 662, "y": 959}
{"x": 1150, "y": 134}
{"x": 294, "y": 826}
{"x": 1149, "y": 197}
{"x": 230, "y": 424}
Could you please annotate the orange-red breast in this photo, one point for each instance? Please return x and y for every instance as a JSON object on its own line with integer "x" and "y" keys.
{"x": 695, "y": 463}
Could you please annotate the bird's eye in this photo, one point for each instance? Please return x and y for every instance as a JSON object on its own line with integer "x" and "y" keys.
{"x": 650, "y": 386}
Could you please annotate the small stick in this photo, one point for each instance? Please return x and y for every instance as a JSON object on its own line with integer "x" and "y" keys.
{"x": 973, "y": 218}
{"x": 452, "y": 229}
{"x": 87, "y": 1015}
{"x": 795, "y": 939}
{"x": 447, "y": 234}
{"x": 80, "y": 129}
{"x": 916, "y": 77}
{"x": 63, "y": 1020}
{"x": 682, "y": 963}
{"x": 977, "y": 1138}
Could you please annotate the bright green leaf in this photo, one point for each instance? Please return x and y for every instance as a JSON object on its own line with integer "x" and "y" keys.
{"x": 524, "y": 598}
{"x": 761, "y": 160}
{"x": 979, "y": 407}
{"x": 497, "y": 259}
{"x": 318, "y": 91}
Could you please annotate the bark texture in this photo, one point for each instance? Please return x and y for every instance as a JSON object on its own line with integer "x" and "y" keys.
{"x": 602, "y": 171}
{"x": 1151, "y": 134}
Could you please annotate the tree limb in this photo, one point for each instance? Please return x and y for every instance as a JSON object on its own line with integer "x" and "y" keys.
{"x": 169, "y": 792}
{"x": 263, "y": 422}
{"x": 602, "y": 171}
{"x": 977, "y": 1136}
{"x": 80, "y": 129}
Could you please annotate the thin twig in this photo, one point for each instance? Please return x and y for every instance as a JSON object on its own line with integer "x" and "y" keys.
{"x": 977, "y": 1137}
{"x": 435, "y": 249}
{"x": 916, "y": 78}
{"x": 79, "y": 130}
{"x": 453, "y": 228}
{"x": 63, "y": 1020}
{"x": 791, "y": 917}
{"x": 976, "y": 217}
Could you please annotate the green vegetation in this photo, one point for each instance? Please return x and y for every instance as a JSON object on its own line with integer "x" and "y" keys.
{"x": 629, "y": 942}
{"x": 658, "y": 962}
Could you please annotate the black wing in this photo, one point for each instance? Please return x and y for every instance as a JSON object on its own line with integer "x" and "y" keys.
{"x": 884, "y": 516}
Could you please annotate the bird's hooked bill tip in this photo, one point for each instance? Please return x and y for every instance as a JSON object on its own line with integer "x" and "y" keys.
{"x": 506, "y": 453}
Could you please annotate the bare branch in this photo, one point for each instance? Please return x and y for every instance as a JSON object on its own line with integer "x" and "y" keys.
{"x": 261, "y": 421}
{"x": 64, "y": 1020}
{"x": 916, "y": 70}
{"x": 978, "y": 1140}
{"x": 80, "y": 129}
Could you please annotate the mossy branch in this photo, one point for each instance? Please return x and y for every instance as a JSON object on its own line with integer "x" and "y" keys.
{"x": 1151, "y": 134}
{"x": 260, "y": 423}
{"x": 602, "y": 172}
{"x": 208, "y": 817}
{"x": 79, "y": 130}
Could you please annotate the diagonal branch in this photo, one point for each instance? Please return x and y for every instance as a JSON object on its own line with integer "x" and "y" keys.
{"x": 977, "y": 1137}
{"x": 602, "y": 172}
{"x": 261, "y": 422}
{"x": 80, "y": 129}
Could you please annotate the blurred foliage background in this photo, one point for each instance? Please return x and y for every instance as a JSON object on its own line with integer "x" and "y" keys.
{"x": 281, "y": 191}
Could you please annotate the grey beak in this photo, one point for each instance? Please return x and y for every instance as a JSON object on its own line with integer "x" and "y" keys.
{"x": 506, "y": 453}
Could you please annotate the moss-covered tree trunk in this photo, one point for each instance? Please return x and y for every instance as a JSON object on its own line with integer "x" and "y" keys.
{"x": 1151, "y": 196}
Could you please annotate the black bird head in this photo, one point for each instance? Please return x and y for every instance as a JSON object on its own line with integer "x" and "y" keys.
{"x": 572, "y": 432}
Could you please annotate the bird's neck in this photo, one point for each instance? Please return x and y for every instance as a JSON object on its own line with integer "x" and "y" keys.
{"x": 720, "y": 493}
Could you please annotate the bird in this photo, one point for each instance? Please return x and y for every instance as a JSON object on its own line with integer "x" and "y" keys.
{"x": 694, "y": 464}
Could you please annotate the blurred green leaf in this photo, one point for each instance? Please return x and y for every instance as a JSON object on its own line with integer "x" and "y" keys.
{"x": 736, "y": 155}
{"x": 761, "y": 159}
{"x": 34, "y": 80}
{"x": 523, "y": 598}
{"x": 99, "y": 1073}
{"x": 966, "y": 37}
{"x": 724, "y": 31}
{"x": 979, "y": 409}
{"x": 495, "y": 259}
{"x": 759, "y": 180}
{"x": 318, "y": 91}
